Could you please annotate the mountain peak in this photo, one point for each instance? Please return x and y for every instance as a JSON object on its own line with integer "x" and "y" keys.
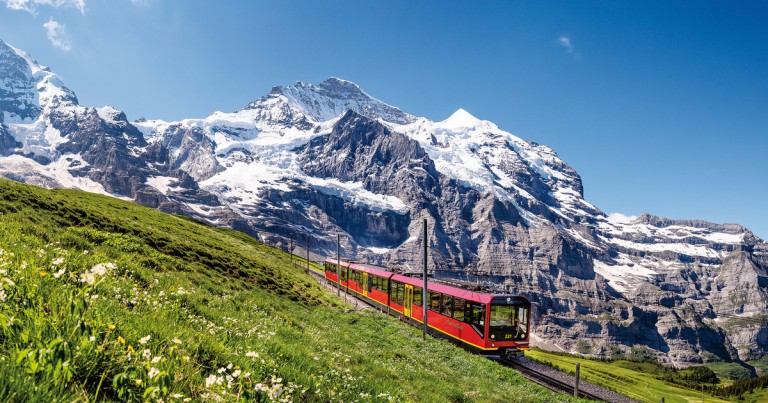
{"x": 461, "y": 119}
{"x": 27, "y": 88}
{"x": 329, "y": 100}
{"x": 339, "y": 84}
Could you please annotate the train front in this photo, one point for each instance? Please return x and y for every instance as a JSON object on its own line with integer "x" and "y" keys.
{"x": 509, "y": 324}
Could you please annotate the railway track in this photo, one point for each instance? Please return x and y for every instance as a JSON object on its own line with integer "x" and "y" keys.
{"x": 546, "y": 380}
{"x": 561, "y": 382}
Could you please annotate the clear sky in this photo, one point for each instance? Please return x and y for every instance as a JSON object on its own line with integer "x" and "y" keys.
{"x": 662, "y": 107}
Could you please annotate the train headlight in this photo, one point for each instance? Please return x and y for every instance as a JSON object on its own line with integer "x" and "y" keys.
{"x": 493, "y": 336}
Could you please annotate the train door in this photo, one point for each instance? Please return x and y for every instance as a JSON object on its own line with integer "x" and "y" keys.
{"x": 408, "y": 300}
{"x": 364, "y": 284}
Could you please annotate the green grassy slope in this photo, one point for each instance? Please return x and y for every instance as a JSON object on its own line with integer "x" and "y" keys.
{"x": 635, "y": 380}
{"x": 101, "y": 299}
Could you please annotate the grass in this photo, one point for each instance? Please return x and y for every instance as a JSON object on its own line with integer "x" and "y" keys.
{"x": 635, "y": 380}
{"x": 729, "y": 371}
{"x": 101, "y": 299}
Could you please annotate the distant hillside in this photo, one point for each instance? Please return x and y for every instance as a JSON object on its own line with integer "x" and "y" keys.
{"x": 104, "y": 299}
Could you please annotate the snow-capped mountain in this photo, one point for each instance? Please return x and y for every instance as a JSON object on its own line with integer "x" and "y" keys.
{"x": 311, "y": 161}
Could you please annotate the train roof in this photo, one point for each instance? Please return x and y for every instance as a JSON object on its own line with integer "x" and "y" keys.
{"x": 445, "y": 289}
{"x": 481, "y": 297}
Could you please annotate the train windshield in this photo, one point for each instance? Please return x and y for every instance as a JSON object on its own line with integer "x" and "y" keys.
{"x": 509, "y": 322}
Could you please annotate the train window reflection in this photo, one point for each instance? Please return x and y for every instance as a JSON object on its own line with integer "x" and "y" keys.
{"x": 508, "y": 322}
{"x": 458, "y": 308}
{"x": 447, "y": 305}
{"x": 417, "y": 296}
{"x": 475, "y": 316}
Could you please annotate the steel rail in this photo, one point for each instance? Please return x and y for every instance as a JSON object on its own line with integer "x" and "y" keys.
{"x": 546, "y": 381}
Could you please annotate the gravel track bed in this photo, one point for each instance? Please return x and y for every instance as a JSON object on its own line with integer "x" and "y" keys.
{"x": 605, "y": 394}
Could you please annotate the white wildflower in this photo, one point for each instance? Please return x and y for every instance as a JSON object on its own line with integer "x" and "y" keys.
{"x": 236, "y": 373}
{"x": 176, "y": 340}
{"x": 101, "y": 268}
{"x": 153, "y": 372}
{"x": 146, "y": 353}
{"x": 210, "y": 381}
{"x": 58, "y": 261}
{"x": 60, "y": 273}
{"x": 157, "y": 359}
{"x": 252, "y": 354}
{"x": 145, "y": 339}
{"x": 88, "y": 278}
{"x": 275, "y": 391}
{"x": 2, "y": 295}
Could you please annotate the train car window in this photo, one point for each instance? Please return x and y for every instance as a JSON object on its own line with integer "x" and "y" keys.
{"x": 509, "y": 322}
{"x": 447, "y": 305}
{"x": 393, "y": 292}
{"x": 370, "y": 282}
{"x": 521, "y": 326}
{"x": 417, "y": 296}
{"x": 434, "y": 301}
{"x": 475, "y": 316}
{"x": 458, "y": 308}
{"x": 400, "y": 293}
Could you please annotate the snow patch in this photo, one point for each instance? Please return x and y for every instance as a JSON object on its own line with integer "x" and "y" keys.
{"x": 161, "y": 183}
{"x": 623, "y": 278}
{"x": 57, "y": 174}
{"x": 356, "y": 193}
{"x": 109, "y": 114}
{"x": 461, "y": 119}
{"x": 379, "y": 251}
{"x": 618, "y": 218}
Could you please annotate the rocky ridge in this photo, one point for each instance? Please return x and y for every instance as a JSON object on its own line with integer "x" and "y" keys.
{"x": 316, "y": 160}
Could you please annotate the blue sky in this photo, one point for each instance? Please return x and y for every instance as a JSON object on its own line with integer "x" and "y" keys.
{"x": 662, "y": 107}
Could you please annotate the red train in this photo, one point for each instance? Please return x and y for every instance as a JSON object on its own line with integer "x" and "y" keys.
{"x": 491, "y": 325}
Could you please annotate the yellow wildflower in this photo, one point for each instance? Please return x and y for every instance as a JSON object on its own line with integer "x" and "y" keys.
{"x": 42, "y": 274}
{"x": 111, "y": 326}
{"x": 120, "y": 340}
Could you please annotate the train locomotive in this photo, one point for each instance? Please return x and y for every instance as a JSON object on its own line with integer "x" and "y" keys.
{"x": 496, "y": 326}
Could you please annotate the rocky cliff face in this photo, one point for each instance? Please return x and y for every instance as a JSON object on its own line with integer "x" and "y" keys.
{"x": 312, "y": 161}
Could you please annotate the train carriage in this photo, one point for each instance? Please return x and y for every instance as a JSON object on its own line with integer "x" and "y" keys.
{"x": 491, "y": 325}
